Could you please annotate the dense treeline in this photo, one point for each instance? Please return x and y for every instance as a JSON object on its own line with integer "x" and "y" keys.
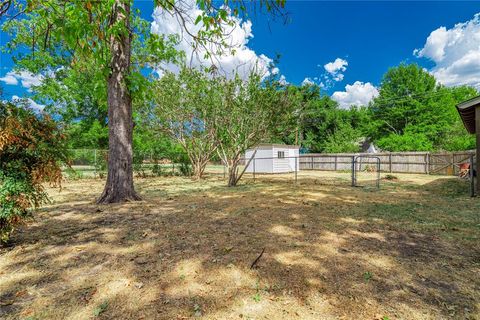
{"x": 411, "y": 113}
{"x": 414, "y": 112}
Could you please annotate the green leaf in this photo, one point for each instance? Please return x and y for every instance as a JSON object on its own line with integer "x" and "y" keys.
{"x": 100, "y": 309}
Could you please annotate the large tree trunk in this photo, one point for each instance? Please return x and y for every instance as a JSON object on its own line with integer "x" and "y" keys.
{"x": 119, "y": 186}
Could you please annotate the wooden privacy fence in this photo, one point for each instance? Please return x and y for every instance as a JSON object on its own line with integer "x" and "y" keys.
{"x": 443, "y": 163}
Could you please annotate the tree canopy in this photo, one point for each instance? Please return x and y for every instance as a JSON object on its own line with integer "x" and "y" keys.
{"x": 412, "y": 112}
{"x": 415, "y": 113}
{"x": 109, "y": 42}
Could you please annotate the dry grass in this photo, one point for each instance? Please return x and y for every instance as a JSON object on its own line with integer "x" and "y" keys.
{"x": 408, "y": 251}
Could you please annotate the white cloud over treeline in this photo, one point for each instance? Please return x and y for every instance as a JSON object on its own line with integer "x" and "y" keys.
{"x": 236, "y": 58}
{"x": 455, "y": 52}
{"x": 28, "y": 102}
{"x": 358, "y": 94}
{"x": 26, "y": 78}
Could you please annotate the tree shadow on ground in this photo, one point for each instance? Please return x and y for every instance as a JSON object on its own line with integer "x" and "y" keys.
{"x": 330, "y": 252}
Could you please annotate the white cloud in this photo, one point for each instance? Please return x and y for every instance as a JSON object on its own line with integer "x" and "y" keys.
{"x": 307, "y": 82}
{"x": 9, "y": 79}
{"x": 337, "y": 65}
{"x": 435, "y": 46}
{"x": 283, "y": 81}
{"x": 338, "y": 77}
{"x": 314, "y": 81}
{"x": 336, "y": 68}
{"x": 358, "y": 94}
{"x": 28, "y": 102}
{"x": 456, "y": 53}
{"x": 242, "y": 60}
{"x": 333, "y": 73}
{"x": 26, "y": 78}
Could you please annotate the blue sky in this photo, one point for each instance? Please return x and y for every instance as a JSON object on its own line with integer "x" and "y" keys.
{"x": 369, "y": 37}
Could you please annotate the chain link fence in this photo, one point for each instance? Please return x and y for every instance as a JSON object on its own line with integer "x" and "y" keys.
{"x": 92, "y": 163}
{"x": 353, "y": 170}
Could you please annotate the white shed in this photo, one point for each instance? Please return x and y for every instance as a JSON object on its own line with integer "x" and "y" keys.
{"x": 273, "y": 158}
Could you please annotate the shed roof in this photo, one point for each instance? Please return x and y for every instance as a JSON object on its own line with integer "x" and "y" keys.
{"x": 278, "y": 145}
{"x": 466, "y": 110}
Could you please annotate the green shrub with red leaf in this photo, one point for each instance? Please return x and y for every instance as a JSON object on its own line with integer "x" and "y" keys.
{"x": 32, "y": 149}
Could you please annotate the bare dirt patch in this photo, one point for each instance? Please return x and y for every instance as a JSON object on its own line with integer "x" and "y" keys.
{"x": 408, "y": 251}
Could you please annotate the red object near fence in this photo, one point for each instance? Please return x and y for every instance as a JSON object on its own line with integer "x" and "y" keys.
{"x": 464, "y": 170}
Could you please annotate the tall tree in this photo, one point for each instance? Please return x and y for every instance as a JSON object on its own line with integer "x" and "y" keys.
{"x": 250, "y": 113}
{"x": 186, "y": 108}
{"x": 94, "y": 38}
{"x": 77, "y": 33}
{"x": 415, "y": 113}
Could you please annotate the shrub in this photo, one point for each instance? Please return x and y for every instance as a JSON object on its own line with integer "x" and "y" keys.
{"x": 186, "y": 169}
{"x": 408, "y": 141}
{"x": 73, "y": 174}
{"x": 391, "y": 177}
{"x": 157, "y": 169}
{"x": 101, "y": 163}
{"x": 31, "y": 152}
{"x": 185, "y": 166}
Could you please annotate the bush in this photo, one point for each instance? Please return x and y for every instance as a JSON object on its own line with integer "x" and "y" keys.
{"x": 186, "y": 169}
{"x": 185, "y": 166}
{"x": 73, "y": 174}
{"x": 157, "y": 169}
{"x": 32, "y": 148}
{"x": 408, "y": 141}
{"x": 391, "y": 177}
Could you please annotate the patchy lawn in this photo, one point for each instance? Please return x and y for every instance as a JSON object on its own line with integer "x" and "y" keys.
{"x": 408, "y": 251}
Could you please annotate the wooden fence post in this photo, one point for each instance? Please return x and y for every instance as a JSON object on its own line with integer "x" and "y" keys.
{"x": 427, "y": 163}
{"x": 390, "y": 162}
{"x": 296, "y": 169}
{"x": 353, "y": 171}
{"x": 335, "y": 162}
{"x": 453, "y": 163}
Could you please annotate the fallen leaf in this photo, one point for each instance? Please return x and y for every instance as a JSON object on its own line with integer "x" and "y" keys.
{"x": 20, "y": 293}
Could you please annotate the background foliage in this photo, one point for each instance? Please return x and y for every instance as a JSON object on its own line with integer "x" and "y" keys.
{"x": 412, "y": 113}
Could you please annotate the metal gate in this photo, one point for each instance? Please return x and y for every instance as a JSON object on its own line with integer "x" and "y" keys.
{"x": 365, "y": 164}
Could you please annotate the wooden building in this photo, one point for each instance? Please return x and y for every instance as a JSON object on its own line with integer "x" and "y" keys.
{"x": 273, "y": 158}
{"x": 470, "y": 113}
